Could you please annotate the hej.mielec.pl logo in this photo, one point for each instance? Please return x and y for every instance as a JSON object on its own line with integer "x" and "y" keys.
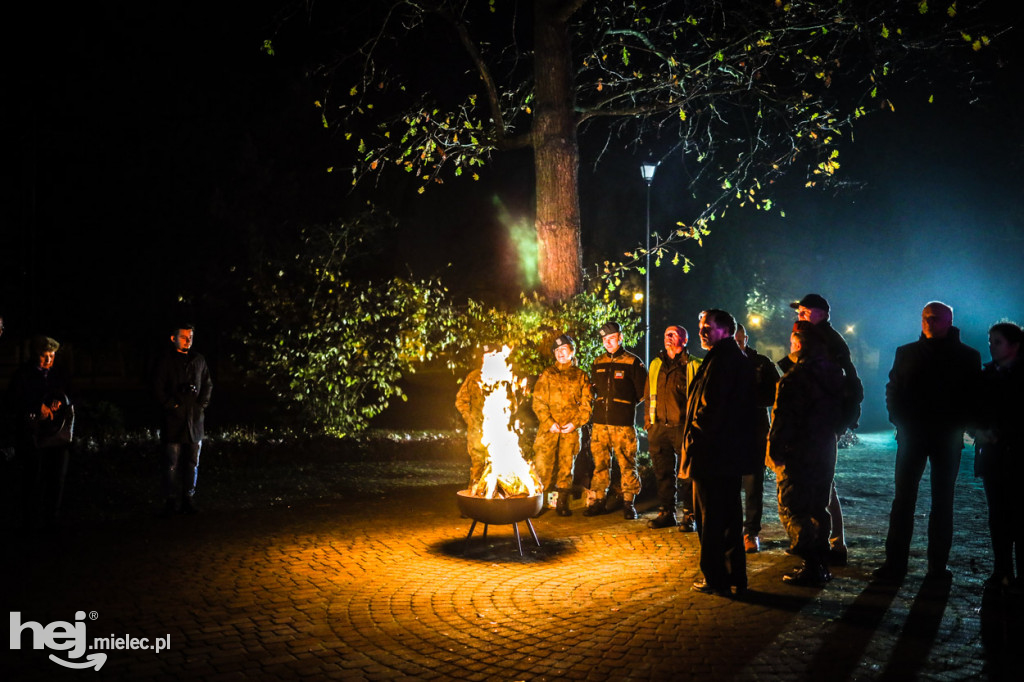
{"x": 71, "y": 638}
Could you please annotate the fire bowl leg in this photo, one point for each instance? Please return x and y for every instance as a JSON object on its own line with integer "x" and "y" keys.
{"x": 519, "y": 544}
{"x": 533, "y": 532}
{"x": 465, "y": 547}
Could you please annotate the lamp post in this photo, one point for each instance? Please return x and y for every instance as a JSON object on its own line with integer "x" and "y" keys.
{"x": 647, "y": 169}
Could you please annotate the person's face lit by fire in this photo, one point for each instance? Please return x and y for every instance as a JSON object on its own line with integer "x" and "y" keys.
{"x": 611, "y": 342}
{"x": 564, "y": 354}
{"x": 812, "y": 315}
{"x": 710, "y": 332}
{"x": 675, "y": 339}
{"x": 46, "y": 359}
{"x": 936, "y": 321}
{"x": 182, "y": 340}
{"x": 794, "y": 345}
{"x": 1003, "y": 352}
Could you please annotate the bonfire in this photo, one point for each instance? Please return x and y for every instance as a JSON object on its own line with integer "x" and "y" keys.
{"x": 507, "y": 473}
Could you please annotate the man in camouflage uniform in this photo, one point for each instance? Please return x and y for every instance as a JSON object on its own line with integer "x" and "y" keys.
{"x": 665, "y": 399}
{"x": 562, "y": 403}
{"x": 470, "y": 403}
{"x": 618, "y": 378}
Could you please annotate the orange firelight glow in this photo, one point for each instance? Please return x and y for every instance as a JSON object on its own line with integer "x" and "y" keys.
{"x": 506, "y": 470}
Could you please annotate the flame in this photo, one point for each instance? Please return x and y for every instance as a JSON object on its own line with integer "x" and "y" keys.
{"x": 506, "y": 469}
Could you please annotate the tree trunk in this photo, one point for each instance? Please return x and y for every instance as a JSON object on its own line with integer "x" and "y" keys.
{"x": 556, "y": 157}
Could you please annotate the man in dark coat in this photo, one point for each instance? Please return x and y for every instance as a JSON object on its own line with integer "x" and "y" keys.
{"x": 43, "y": 422}
{"x": 815, "y": 309}
{"x": 766, "y": 378}
{"x": 718, "y": 437}
{"x": 802, "y": 451}
{"x": 182, "y": 388}
{"x": 929, "y": 401}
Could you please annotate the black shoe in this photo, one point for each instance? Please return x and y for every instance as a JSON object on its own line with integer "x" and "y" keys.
{"x": 665, "y": 519}
{"x": 629, "y": 511}
{"x": 808, "y": 575}
{"x": 595, "y": 508}
{"x": 688, "y": 524}
{"x": 704, "y": 587}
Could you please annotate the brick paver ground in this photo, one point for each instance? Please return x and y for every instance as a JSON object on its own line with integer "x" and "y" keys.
{"x": 379, "y": 587}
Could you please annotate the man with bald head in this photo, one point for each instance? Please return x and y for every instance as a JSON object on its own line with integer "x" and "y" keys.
{"x": 928, "y": 397}
{"x": 665, "y": 397}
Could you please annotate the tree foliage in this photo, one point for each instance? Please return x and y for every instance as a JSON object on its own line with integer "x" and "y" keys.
{"x": 331, "y": 343}
{"x": 530, "y": 328}
{"x": 739, "y": 90}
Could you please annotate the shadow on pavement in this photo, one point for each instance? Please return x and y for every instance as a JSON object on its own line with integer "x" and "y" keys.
{"x": 846, "y": 643}
{"x": 502, "y": 547}
{"x": 919, "y": 631}
{"x": 1002, "y": 631}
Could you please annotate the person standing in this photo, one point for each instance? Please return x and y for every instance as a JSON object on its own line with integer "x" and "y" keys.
{"x": 718, "y": 436}
{"x": 562, "y": 403}
{"x": 1000, "y": 451}
{"x": 815, "y": 309}
{"x": 802, "y": 451}
{"x": 182, "y": 388}
{"x": 618, "y": 378}
{"x": 766, "y": 376}
{"x": 44, "y": 418}
{"x": 665, "y": 399}
{"x": 929, "y": 401}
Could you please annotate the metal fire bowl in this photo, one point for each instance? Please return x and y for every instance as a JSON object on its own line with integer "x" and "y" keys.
{"x": 499, "y": 511}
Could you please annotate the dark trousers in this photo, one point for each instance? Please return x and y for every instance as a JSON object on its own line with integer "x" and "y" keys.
{"x": 665, "y": 443}
{"x": 753, "y": 501}
{"x": 181, "y": 469}
{"x": 912, "y": 453}
{"x": 42, "y": 473}
{"x": 719, "y": 512}
{"x": 1005, "y": 522}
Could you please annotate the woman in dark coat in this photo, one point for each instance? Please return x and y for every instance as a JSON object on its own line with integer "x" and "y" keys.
{"x": 802, "y": 451}
{"x": 999, "y": 460}
{"x": 43, "y": 417}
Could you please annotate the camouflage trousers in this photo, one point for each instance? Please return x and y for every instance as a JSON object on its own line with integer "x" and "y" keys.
{"x": 553, "y": 457}
{"x": 620, "y": 441}
{"x": 477, "y": 455}
{"x": 803, "y": 507}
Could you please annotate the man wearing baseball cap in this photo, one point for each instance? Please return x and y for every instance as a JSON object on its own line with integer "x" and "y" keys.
{"x": 618, "y": 378}
{"x": 562, "y": 403}
{"x": 815, "y": 309}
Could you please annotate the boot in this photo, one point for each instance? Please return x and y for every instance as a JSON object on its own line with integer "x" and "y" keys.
{"x": 665, "y": 519}
{"x": 628, "y": 510}
{"x": 594, "y": 508}
{"x": 689, "y": 524}
{"x": 813, "y": 573}
{"x": 562, "y": 508}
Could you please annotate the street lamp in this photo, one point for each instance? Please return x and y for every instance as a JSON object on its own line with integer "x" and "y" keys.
{"x": 647, "y": 169}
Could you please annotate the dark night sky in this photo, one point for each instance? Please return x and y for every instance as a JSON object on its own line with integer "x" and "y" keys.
{"x": 153, "y": 143}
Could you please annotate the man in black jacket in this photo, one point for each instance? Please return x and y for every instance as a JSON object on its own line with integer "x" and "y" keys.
{"x": 928, "y": 398}
{"x": 766, "y": 378}
{"x": 618, "y": 377}
{"x": 718, "y": 437}
{"x": 182, "y": 388}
